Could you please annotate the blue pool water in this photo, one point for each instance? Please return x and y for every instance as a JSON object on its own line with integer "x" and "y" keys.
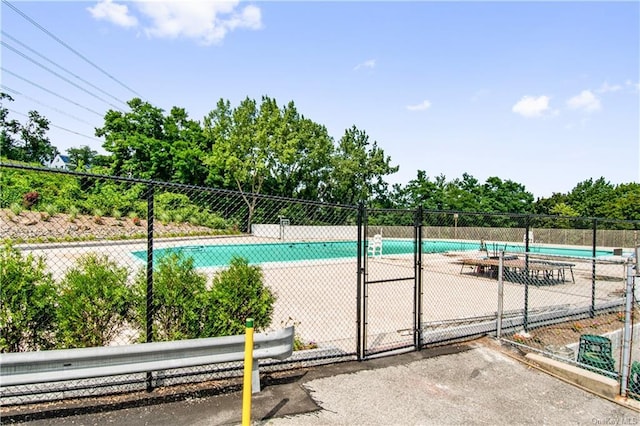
{"x": 219, "y": 255}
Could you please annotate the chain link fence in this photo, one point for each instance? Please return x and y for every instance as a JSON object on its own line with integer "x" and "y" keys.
{"x": 92, "y": 261}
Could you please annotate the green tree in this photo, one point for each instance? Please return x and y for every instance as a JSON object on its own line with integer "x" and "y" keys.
{"x": 422, "y": 191}
{"x": 9, "y": 130}
{"x": 188, "y": 147}
{"x": 240, "y": 149}
{"x": 36, "y": 146}
{"x": 589, "y": 196}
{"x": 463, "y": 194}
{"x": 81, "y": 158}
{"x": 565, "y": 212}
{"x": 358, "y": 168}
{"x": 27, "y": 303}
{"x": 545, "y": 206}
{"x": 26, "y": 142}
{"x": 500, "y": 196}
{"x": 238, "y": 293}
{"x": 136, "y": 140}
{"x": 301, "y": 152}
{"x": 95, "y": 302}
{"x": 624, "y": 203}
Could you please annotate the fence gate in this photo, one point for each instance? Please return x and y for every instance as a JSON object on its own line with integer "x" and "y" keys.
{"x": 389, "y": 281}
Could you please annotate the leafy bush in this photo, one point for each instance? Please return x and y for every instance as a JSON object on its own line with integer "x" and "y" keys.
{"x": 214, "y": 221}
{"x": 107, "y": 196}
{"x": 27, "y": 302}
{"x": 169, "y": 201}
{"x": 179, "y": 299}
{"x": 73, "y": 213}
{"x": 238, "y": 293}
{"x": 51, "y": 210}
{"x": 16, "y": 208}
{"x": 95, "y": 302}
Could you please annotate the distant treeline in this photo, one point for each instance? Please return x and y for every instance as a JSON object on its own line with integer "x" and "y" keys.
{"x": 264, "y": 148}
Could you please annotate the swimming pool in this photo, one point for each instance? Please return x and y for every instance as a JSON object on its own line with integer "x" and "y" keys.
{"x": 221, "y": 254}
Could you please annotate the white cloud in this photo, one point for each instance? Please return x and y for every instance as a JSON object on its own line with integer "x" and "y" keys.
{"x": 115, "y": 13}
{"x": 606, "y": 87}
{"x": 634, "y": 86}
{"x": 586, "y": 101}
{"x": 208, "y": 22}
{"x": 531, "y": 106}
{"x": 371, "y": 63}
{"x": 422, "y": 106}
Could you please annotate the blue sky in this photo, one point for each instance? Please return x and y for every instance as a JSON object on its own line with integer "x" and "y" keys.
{"x": 545, "y": 94}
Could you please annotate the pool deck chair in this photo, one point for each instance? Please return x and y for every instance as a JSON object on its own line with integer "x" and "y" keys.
{"x": 374, "y": 248}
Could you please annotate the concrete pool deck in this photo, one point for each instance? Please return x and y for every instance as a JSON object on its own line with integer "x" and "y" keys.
{"x": 320, "y": 296}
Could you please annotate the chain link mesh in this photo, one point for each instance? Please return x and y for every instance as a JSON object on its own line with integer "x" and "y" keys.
{"x": 113, "y": 261}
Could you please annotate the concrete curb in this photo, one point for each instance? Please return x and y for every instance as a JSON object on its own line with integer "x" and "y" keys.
{"x": 596, "y": 383}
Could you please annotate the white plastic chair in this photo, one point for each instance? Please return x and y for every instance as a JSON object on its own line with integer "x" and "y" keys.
{"x": 374, "y": 248}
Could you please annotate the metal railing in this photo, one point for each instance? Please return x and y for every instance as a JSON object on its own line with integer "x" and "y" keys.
{"x": 27, "y": 368}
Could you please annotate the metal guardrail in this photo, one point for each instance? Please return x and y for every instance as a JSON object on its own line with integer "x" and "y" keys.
{"x": 23, "y": 368}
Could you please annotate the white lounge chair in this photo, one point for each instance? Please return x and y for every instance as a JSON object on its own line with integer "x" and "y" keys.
{"x": 374, "y": 248}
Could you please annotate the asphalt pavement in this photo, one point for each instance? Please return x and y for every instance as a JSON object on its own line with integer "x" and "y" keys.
{"x": 474, "y": 383}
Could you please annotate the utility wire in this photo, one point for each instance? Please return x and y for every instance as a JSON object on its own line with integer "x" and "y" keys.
{"x": 5, "y": 34}
{"x": 80, "y": 55}
{"x": 49, "y": 91}
{"x": 58, "y": 127}
{"x": 15, "y": 92}
{"x": 16, "y": 51}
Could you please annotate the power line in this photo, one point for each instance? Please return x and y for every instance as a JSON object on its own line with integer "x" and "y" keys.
{"x": 5, "y": 34}
{"x": 15, "y": 92}
{"x": 57, "y": 127}
{"x": 49, "y": 91}
{"x": 16, "y": 51}
{"x": 80, "y": 55}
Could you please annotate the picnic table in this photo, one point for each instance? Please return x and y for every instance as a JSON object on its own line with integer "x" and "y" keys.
{"x": 515, "y": 269}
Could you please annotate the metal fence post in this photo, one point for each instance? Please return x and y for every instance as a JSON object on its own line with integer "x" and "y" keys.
{"x": 149, "y": 316}
{"x": 626, "y": 343}
{"x": 525, "y": 323}
{"x": 360, "y": 253}
{"x": 500, "y": 295}
{"x": 418, "y": 283}
{"x": 592, "y": 311}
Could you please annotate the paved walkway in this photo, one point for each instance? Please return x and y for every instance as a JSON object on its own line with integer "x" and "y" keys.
{"x": 470, "y": 383}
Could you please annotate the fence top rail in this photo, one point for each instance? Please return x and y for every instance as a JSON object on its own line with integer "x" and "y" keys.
{"x": 174, "y": 185}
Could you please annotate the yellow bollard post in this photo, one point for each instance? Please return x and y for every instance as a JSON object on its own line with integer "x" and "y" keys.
{"x": 248, "y": 367}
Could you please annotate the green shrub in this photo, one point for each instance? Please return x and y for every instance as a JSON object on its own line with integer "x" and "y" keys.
{"x": 194, "y": 220}
{"x": 178, "y": 218}
{"x": 179, "y": 299}
{"x": 238, "y": 293}
{"x": 51, "y": 209}
{"x": 107, "y": 195}
{"x": 73, "y": 213}
{"x": 27, "y": 302}
{"x": 95, "y": 302}
{"x": 164, "y": 217}
{"x": 16, "y": 209}
{"x": 169, "y": 201}
{"x": 216, "y": 222}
